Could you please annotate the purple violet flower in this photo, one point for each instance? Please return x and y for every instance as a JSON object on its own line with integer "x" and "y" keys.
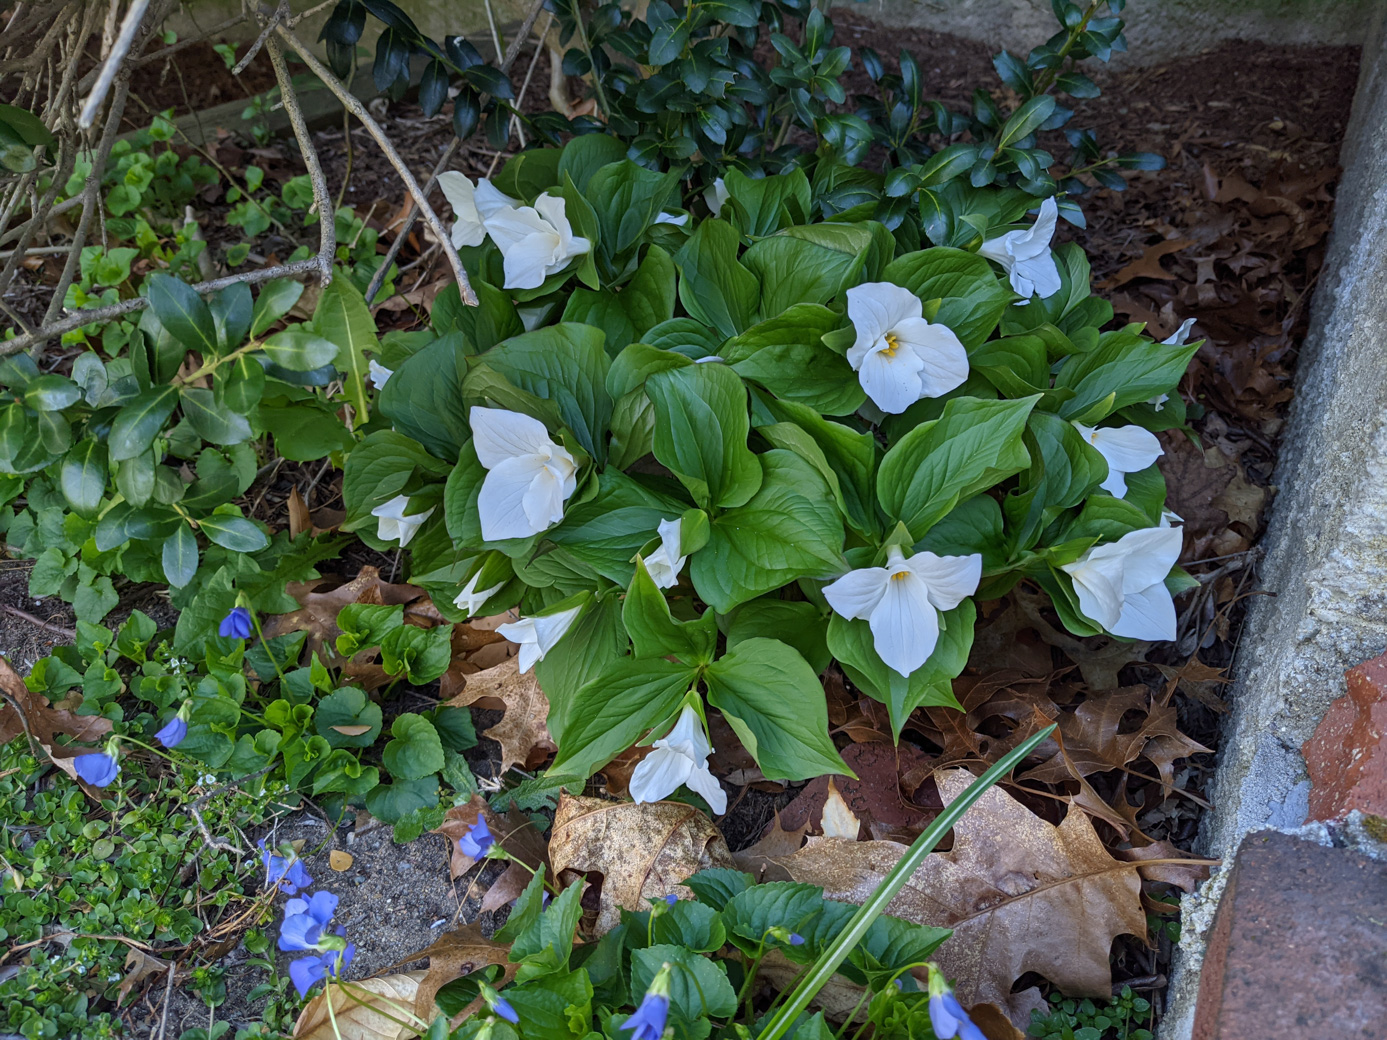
{"x": 173, "y": 732}
{"x": 949, "y": 1019}
{"x": 236, "y": 624}
{"x": 290, "y": 876}
{"x": 647, "y": 1022}
{"x": 304, "y": 921}
{"x": 477, "y": 841}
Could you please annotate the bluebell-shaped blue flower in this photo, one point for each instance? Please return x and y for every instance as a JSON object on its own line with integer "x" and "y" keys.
{"x": 173, "y": 732}
{"x": 289, "y": 875}
{"x": 648, "y": 1020}
{"x": 98, "y": 769}
{"x": 477, "y": 841}
{"x": 236, "y": 624}
{"x": 949, "y": 1019}
{"x": 305, "y": 920}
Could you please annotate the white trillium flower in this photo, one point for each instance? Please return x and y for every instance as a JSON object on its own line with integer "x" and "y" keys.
{"x": 392, "y": 523}
{"x": 901, "y": 601}
{"x": 1121, "y": 585}
{"x": 680, "y": 757}
{"x": 677, "y": 219}
{"x": 472, "y": 205}
{"x": 1026, "y": 256}
{"x": 1168, "y": 517}
{"x": 528, "y": 479}
{"x": 535, "y": 241}
{"x": 665, "y": 563}
{"x": 1126, "y": 449}
{"x": 378, "y": 373}
{"x": 470, "y": 600}
{"x": 538, "y": 635}
{"x": 715, "y": 196}
{"x": 900, "y": 357}
{"x": 1175, "y": 339}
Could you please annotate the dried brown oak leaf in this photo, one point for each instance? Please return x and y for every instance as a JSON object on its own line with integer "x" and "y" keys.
{"x": 874, "y": 797}
{"x": 455, "y": 954}
{"x": 317, "y": 614}
{"x": 138, "y": 967}
{"x": 1020, "y": 894}
{"x": 45, "y": 722}
{"x": 523, "y": 731}
{"x": 363, "y": 1010}
{"x": 643, "y": 852}
{"x": 514, "y": 831}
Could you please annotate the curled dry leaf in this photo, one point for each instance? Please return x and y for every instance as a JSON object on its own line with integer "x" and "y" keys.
{"x": 365, "y": 1010}
{"x": 139, "y": 966}
{"x": 643, "y": 852}
{"x": 44, "y": 723}
{"x": 1020, "y": 894}
{"x": 837, "y": 820}
{"x": 523, "y": 730}
{"x": 874, "y": 798}
{"x": 1174, "y": 867}
{"x": 455, "y": 954}
{"x": 775, "y": 843}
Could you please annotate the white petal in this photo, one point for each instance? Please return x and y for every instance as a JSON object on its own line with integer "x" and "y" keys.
{"x": 501, "y": 501}
{"x": 379, "y": 374}
{"x": 1149, "y": 555}
{"x": 1020, "y": 283}
{"x": 1149, "y": 614}
{"x": 671, "y": 536}
{"x": 716, "y": 196}
{"x": 702, "y": 782}
{"x": 1180, "y": 335}
{"x": 528, "y": 262}
{"x": 1036, "y": 240}
{"x": 659, "y": 774}
{"x": 458, "y": 190}
{"x": 665, "y": 563}
{"x": 555, "y": 210}
{"x": 678, "y": 220}
{"x": 875, "y": 308}
{"x": 1099, "y": 588}
{"x": 543, "y": 501}
{"x": 550, "y": 628}
{"x": 394, "y": 509}
{"x": 1115, "y": 483}
{"x": 944, "y": 361}
{"x": 949, "y": 579}
{"x": 387, "y": 529}
{"x": 857, "y": 593}
{"x": 688, "y": 732}
{"x": 1127, "y": 449}
{"x": 892, "y": 381}
{"x": 499, "y": 434}
{"x": 490, "y": 200}
{"x": 905, "y": 625}
{"x": 995, "y": 249}
{"x": 409, "y": 525}
{"x": 1040, "y": 272}
{"x": 508, "y": 227}
{"x": 470, "y": 600}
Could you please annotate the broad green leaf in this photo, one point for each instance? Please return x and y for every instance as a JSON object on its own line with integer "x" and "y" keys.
{"x": 713, "y": 285}
{"x": 790, "y": 529}
{"x": 810, "y": 264}
{"x": 276, "y": 299}
{"x": 415, "y": 751}
{"x": 752, "y": 913}
{"x": 241, "y": 384}
{"x": 798, "y": 623}
{"x": 701, "y": 431}
{"x": 626, "y": 199}
{"x": 971, "y": 299}
{"x": 180, "y": 556}
{"x": 182, "y": 313}
{"x": 628, "y": 313}
{"x": 342, "y": 317}
{"x": 787, "y": 355}
{"x": 234, "y": 532}
{"x": 51, "y": 393}
{"x": 423, "y": 398}
{"x": 137, "y": 424}
{"x": 1125, "y": 369}
{"x": 232, "y": 314}
{"x": 298, "y": 350}
{"x": 1062, "y": 472}
{"x": 973, "y": 445}
{"x": 422, "y": 654}
{"x": 761, "y": 206}
{"x": 698, "y": 989}
{"x": 565, "y": 364}
{"x": 493, "y": 320}
{"x": 654, "y": 633}
{"x": 213, "y": 422}
{"x": 929, "y": 685}
{"x": 775, "y": 703}
{"x": 391, "y": 802}
{"x": 618, "y": 708}
{"x": 83, "y": 477}
{"x": 379, "y": 468}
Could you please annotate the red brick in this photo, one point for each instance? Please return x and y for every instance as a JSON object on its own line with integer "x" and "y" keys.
{"x": 1298, "y": 949}
{"x": 1347, "y": 758}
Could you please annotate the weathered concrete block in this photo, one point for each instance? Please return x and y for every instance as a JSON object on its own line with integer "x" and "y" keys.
{"x": 1298, "y": 949}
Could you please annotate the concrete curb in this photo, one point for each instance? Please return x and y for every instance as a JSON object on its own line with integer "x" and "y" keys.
{"x": 1327, "y": 541}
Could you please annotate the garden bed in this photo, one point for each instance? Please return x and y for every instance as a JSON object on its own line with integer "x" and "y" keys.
{"x": 1231, "y": 234}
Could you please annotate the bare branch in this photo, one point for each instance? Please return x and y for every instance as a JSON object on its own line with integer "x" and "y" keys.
{"x": 327, "y": 231}
{"x": 128, "y": 28}
{"x": 98, "y": 315}
{"x": 357, "y": 109}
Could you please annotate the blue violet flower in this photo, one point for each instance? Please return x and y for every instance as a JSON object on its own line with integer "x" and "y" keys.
{"x": 236, "y": 624}
{"x": 99, "y": 768}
